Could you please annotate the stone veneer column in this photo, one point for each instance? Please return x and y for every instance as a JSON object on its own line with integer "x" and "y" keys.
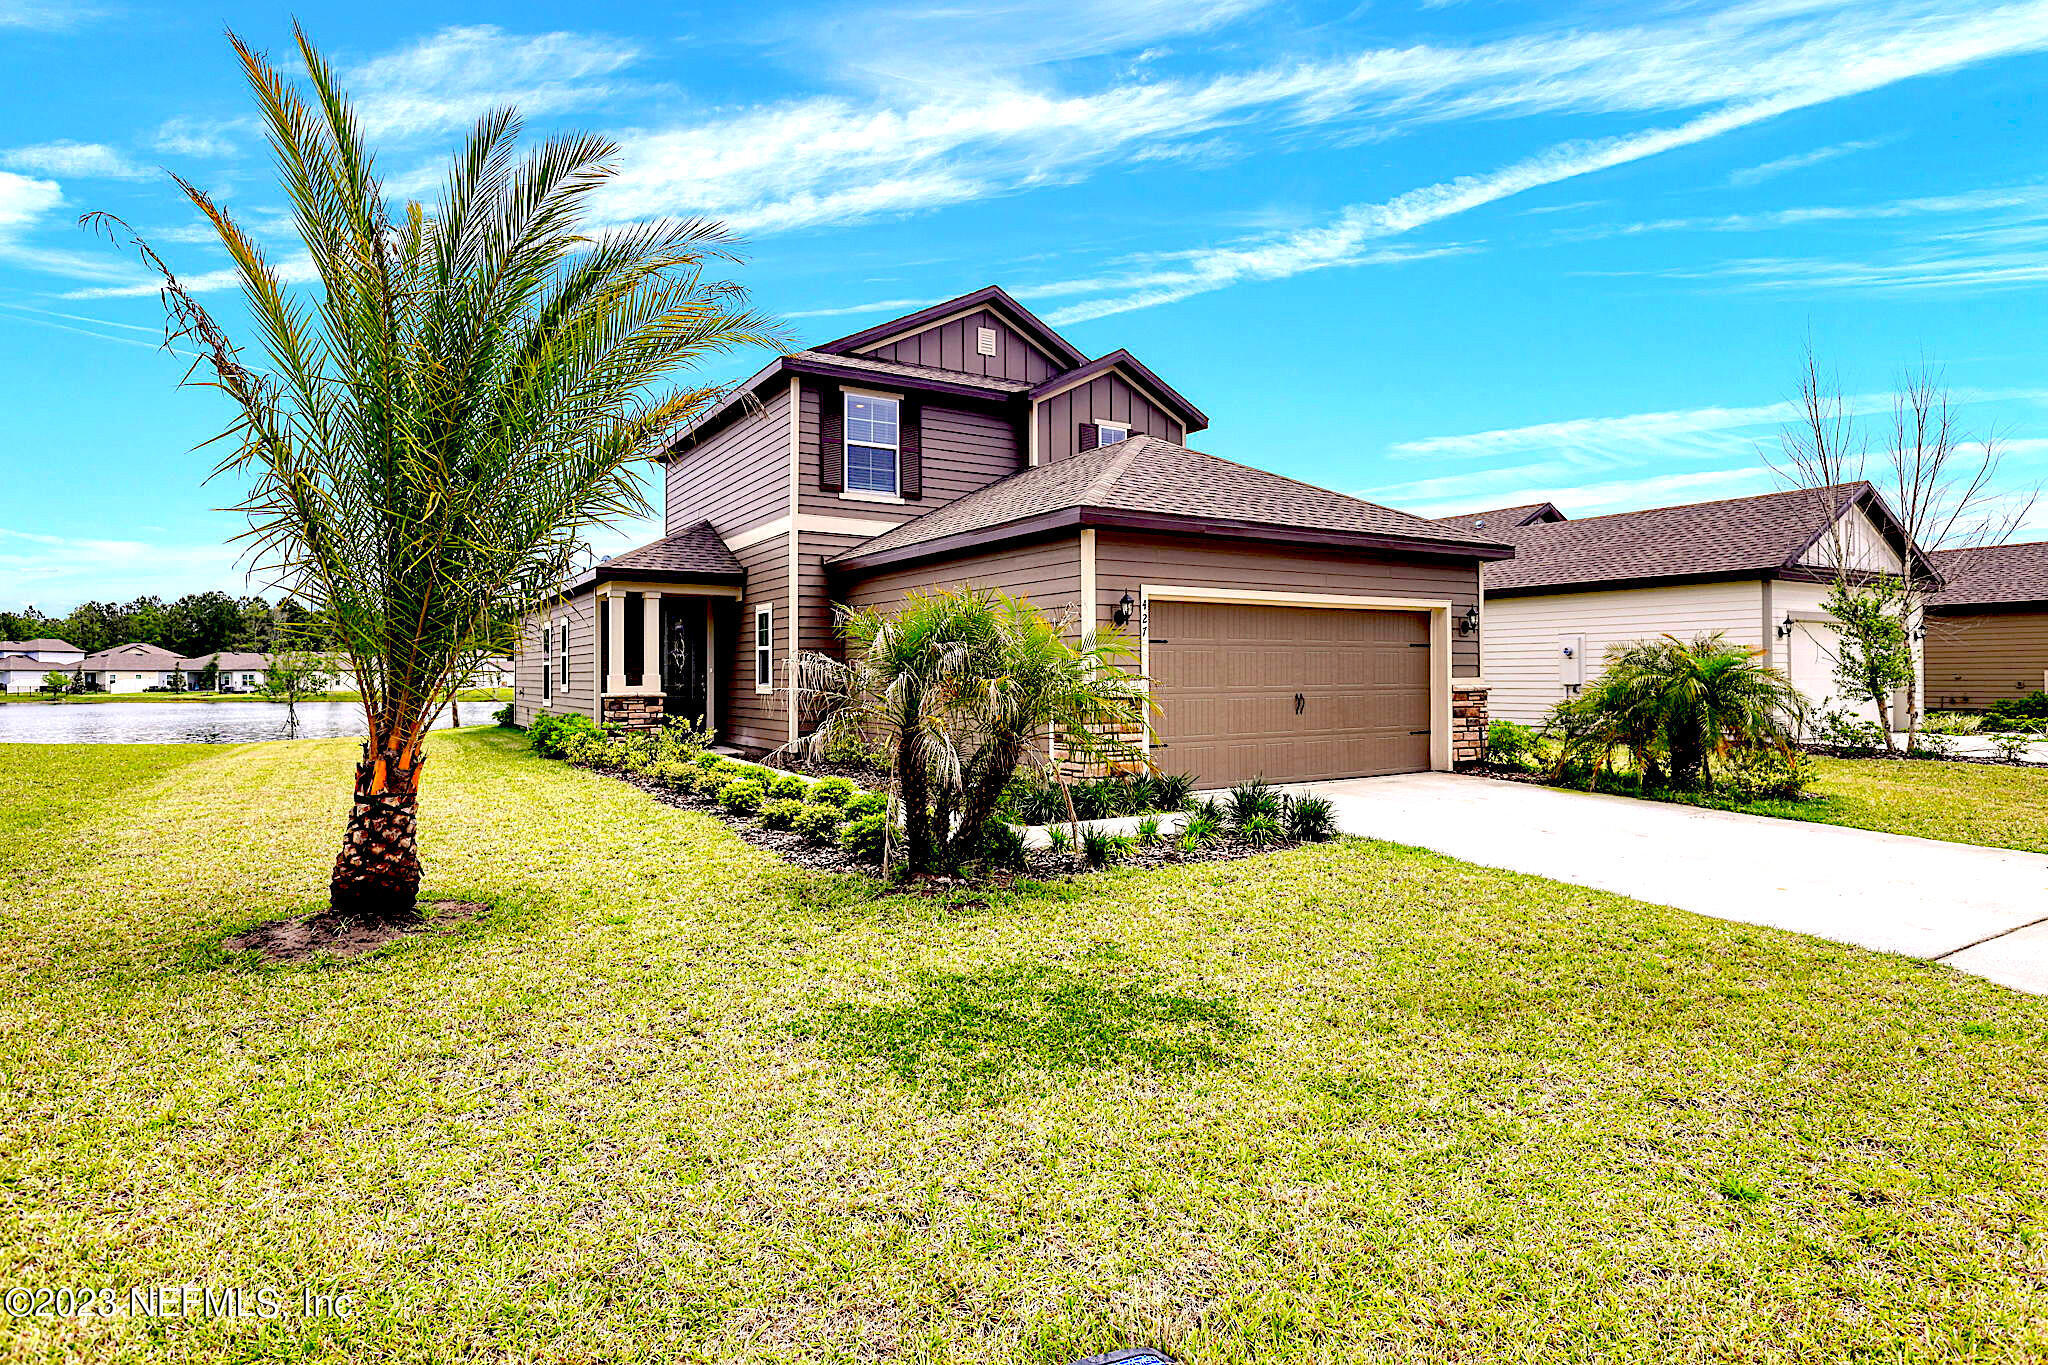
{"x": 1468, "y": 724}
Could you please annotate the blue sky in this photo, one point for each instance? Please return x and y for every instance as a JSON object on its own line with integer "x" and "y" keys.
{"x": 1444, "y": 255}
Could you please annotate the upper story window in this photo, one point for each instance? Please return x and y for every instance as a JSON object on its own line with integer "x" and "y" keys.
{"x": 873, "y": 444}
{"x": 1109, "y": 433}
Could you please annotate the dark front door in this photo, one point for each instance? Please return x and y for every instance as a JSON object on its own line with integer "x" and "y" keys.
{"x": 686, "y": 658}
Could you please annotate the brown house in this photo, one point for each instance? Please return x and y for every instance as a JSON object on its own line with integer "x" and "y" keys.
{"x": 1987, "y": 629}
{"x": 1287, "y": 630}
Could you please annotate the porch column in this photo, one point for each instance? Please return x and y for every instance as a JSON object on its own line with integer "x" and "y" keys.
{"x": 710, "y": 668}
{"x": 615, "y": 675}
{"x": 650, "y": 641}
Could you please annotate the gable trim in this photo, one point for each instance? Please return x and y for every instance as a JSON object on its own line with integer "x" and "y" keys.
{"x": 1056, "y": 346}
{"x": 924, "y": 327}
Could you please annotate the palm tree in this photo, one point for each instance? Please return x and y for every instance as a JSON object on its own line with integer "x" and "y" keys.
{"x": 465, "y": 391}
{"x": 962, "y": 688}
{"x": 1675, "y": 707}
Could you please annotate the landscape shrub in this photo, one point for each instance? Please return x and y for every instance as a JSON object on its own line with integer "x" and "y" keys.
{"x": 1934, "y": 744}
{"x": 1002, "y": 847}
{"x": 1148, "y": 830}
{"x": 1036, "y": 799}
{"x": 551, "y": 732}
{"x": 781, "y": 814}
{"x": 1951, "y": 723}
{"x": 590, "y": 750}
{"x": 1100, "y": 848}
{"x": 2012, "y": 744}
{"x": 506, "y": 716}
{"x": 1311, "y": 819}
{"x": 1261, "y": 829}
{"x": 817, "y": 822}
{"x": 708, "y": 760}
{"x": 672, "y": 772}
{"x": 1836, "y": 728}
{"x": 2016, "y": 711}
{"x": 1251, "y": 800}
{"x": 833, "y": 791}
{"x": 1511, "y": 745}
{"x": 1059, "y": 838}
{"x": 741, "y": 797}
{"x": 789, "y": 786}
{"x": 866, "y": 837}
{"x": 863, "y": 804}
{"x": 1766, "y": 773}
{"x": 1199, "y": 832}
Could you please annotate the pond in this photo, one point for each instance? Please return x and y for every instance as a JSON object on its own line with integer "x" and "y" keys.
{"x": 187, "y": 722}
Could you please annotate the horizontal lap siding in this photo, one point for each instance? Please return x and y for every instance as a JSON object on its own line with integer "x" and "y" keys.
{"x": 1522, "y": 634}
{"x": 1124, "y": 562}
{"x": 964, "y": 449}
{"x": 739, "y": 476}
{"x": 1046, "y": 573}
{"x": 579, "y": 694}
{"x": 951, "y": 346}
{"x": 1106, "y": 398}
{"x": 1982, "y": 657}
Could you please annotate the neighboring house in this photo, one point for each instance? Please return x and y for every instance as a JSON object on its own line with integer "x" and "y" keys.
{"x": 129, "y": 668}
{"x": 237, "y": 670}
{"x": 59, "y": 652}
{"x": 1987, "y": 629}
{"x": 1754, "y": 569}
{"x": 1288, "y": 631}
{"x": 21, "y": 673}
{"x": 492, "y": 673}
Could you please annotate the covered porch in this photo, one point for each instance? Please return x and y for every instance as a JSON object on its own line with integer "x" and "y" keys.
{"x": 660, "y": 647}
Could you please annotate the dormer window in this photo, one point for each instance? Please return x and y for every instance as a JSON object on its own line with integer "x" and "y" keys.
{"x": 873, "y": 444}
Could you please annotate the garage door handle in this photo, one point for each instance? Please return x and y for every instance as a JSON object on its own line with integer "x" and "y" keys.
{"x": 1299, "y": 704}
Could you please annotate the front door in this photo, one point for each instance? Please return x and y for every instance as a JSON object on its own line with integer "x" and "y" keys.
{"x": 686, "y": 658}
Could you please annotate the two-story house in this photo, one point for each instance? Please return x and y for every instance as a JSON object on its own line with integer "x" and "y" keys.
{"x": 1286, "y": 630}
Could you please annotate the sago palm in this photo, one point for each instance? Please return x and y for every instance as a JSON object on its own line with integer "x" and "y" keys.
{"x": 463, "y": 390}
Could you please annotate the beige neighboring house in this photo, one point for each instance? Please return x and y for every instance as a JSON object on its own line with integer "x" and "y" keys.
{"x": 129, "y": 668}
{"x": 1754, "y": 569}
{"x": 1987, "y": 628}
{"x": 20, "y": 673}
{"x": 240, "y": 671}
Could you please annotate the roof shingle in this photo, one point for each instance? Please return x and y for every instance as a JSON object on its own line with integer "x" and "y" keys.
{"x": 1992, "y": 574}
{"x": 1502, "y": 518}
{"x": 1148, "y": 475}
{"x": 1736, "y": 535}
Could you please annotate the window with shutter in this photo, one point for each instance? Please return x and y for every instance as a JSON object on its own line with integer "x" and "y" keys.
{"x": 1088, "y": 438}
{"x": 831, "y": 441}
{"x": 873, "y": 431}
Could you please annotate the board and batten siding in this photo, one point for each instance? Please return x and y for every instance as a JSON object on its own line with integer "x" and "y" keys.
{"x": 1976, "y": 658}
{"x": 1125, "y": 561}
{"x": 738, "y": 477}
{"x": 962, "y": 449}
{"x": 579, "y": 694}
{"x": 951, "y": 346}
{"x": 1521, "y": 637}
{"x": 1105, "y": 398}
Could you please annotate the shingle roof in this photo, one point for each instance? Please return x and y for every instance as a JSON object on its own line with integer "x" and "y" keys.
{"x": 1502, "y": 518}
{"x": 1736, "y": 535}
{"x": 693, "y": 552}
{"x": 231, "y": 661}
{"x": 1155, "y": 477}
{"x": 8, "y": 646}
{"x": 21, "y": 663}
{"x": 131, "y": 656}
{"x": 1992, "y": 574}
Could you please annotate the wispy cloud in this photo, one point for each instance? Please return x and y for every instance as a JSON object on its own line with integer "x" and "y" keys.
{"x": 87, "y": 160}
{"x": 187, "y": 135}
{"x": 1799, "y": 161}
{"x": 446, "y": 81}
{"x": 294, "y": 267}
{"x": 55, "y": 571}
{"x": 49, "y": 15}
{"x": 878, "y": 306}
{"x": 1600, "y": 496}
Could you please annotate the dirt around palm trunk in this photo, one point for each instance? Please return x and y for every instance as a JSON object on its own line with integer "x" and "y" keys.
{"x": 308, "y": 936}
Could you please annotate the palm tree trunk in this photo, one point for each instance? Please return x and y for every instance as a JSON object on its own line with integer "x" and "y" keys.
{"x": 377, "y": 877}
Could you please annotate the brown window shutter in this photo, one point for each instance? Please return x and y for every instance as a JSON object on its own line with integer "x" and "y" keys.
{"x": 831, "y": 439}
{"x": 1091, "y": 436}
{"x": 909, "y": 450}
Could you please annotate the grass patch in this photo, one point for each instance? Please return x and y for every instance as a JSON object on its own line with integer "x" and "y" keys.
{"x": 673, "y": 1099}
{"x": 973, "y": 1035}
{"x": 1996, "y": 805}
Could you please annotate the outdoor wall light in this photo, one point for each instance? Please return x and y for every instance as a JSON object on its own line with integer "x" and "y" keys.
{"x": 1468, "y": 624}
{"x": 1121, "y": 613}
{"x": 1785, "y": 627}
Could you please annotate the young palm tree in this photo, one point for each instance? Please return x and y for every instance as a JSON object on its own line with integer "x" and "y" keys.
{"x": 464, "y": 390}
{"x": 1677, "y": 706}
{"x": 961, "y": 687}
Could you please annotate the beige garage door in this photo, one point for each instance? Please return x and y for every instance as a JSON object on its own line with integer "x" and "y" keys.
{"x": 1291, "y": 694}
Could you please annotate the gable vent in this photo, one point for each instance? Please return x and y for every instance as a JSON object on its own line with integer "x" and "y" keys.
{"x": 985, "y": 340}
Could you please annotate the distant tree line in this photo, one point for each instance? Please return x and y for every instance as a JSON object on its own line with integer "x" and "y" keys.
{"x": 195, "y": 624}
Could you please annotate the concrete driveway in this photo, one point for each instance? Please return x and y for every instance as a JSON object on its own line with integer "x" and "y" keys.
{"x": 1983, "y": 910}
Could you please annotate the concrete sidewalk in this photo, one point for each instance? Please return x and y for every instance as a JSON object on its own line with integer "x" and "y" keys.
{"x": 1982, "y": 910}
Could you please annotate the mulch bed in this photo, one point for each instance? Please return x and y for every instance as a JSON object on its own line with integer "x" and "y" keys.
{"x": 1040, "y": 864}
{"x": 308, "y": 936}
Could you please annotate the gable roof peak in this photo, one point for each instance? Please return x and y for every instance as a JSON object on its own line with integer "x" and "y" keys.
{"x": 991, "y": 295}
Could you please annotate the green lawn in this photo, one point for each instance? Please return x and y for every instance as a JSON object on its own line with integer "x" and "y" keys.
{"x": 672, "y": 1100}
{"x": 1965, "y": 803}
